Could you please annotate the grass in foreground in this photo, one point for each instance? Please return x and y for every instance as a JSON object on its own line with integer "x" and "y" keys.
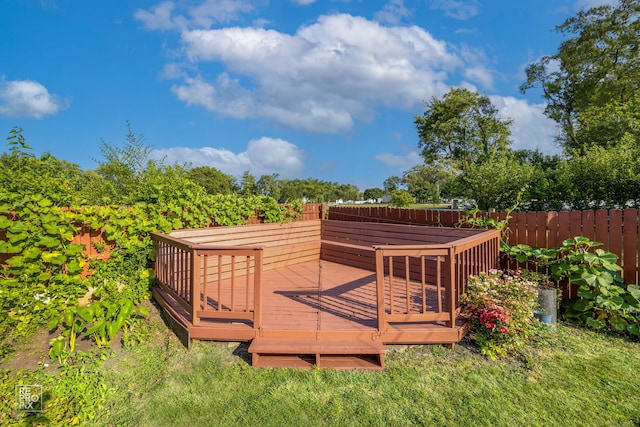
{"x": 572, "y": 377}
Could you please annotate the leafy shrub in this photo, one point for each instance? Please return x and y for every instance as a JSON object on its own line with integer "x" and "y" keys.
{"x": 604, "y": 301}
{"x": 401, "y": 199}
{"x": 500, "y": 307}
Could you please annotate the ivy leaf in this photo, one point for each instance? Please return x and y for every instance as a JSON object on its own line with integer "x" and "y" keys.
{"x": 49, "y": 242}
{"x": 73, "y": 249}
{"x": 633, "y": 329}
{"x": 74, "y": 267}
{"x": 31, "y": 253}
{"x": 54, "y": 257}
{"x": 17, "y": 238}
{"x": 45, "y": 203}
{"x": 16, "y": 261}
{"x": 18, "y": 227}
{"x": 8, "y": 248}
{"x": 5, "y": 222}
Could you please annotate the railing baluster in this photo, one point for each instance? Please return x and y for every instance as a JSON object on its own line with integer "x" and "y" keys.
{"x": 219, "y": 282}
{"x": 439, "y": 261}
{"x": 205, "y": 272}
{"x": 233, "y": 281}
{"x": 246, "y": 304}
{"x": 407, "y": 279}
{"x": 423, "y": 282}
{"x": 391, "y": 285}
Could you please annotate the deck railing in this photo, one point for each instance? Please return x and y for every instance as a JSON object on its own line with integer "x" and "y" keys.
{"x": 414, "y": 283}
{"x": 423, "y": 283}
{"x": 211, "y": 282}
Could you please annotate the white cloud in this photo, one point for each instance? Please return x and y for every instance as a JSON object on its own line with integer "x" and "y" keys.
{"x": 400, "y": 162}
{"x": 587, "y": 4}
{"x": 226, "y": 97}
{"x": 393, "y": 12}
{"x": 164, "y": 16}
{"x": 303, "y": 2}
{"x": 457, "y": 9}
{"x": 27, "y": 98}
{"x": 323, "y": 78}
{"x": 263, "y": 156}
{"x": 531, "y": 129}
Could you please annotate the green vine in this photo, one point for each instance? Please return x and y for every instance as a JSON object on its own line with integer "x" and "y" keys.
{"x": 42, "y": 270}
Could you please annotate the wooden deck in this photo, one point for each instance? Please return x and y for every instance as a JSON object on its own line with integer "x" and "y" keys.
{"x": 321, "y": 301}
{"x": 326, "y": 294}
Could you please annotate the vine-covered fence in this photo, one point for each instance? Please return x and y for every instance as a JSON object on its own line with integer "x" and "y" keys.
{"x": 617, "y": 230}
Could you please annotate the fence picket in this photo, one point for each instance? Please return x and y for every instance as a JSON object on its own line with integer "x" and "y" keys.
{"x": 629, "y": 254}
{"x": 615, "y": 232}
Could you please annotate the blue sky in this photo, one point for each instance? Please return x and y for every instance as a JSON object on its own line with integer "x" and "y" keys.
{"x": 325, "y": 89}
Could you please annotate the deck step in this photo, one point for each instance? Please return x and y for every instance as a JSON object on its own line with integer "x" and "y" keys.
{"x": 323, "y": 353}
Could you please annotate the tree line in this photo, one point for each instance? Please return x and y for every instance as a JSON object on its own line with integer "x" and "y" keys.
{"x": 591, "y": 91}
{"x": 125, "y": 174}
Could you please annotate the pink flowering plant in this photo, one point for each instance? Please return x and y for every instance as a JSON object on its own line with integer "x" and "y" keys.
{"x": 500, "y": 306}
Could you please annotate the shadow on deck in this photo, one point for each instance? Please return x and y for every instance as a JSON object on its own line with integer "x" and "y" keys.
{"x": 311, "y": 304}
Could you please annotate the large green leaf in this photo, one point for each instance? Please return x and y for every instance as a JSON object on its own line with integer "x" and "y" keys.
{"x": 54, "y": 257}
{"x": 49, "y": 242}
{"x": 16, "y": 261}
{"x": 31, "y": 253}
{"x": 5, "y": 222}
{"x": 634, "y": 290}
{"x": 582, "y": 305}
{"x": 586, "y": 293}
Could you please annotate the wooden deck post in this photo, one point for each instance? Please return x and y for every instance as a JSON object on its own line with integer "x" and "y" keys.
{"x": 382, "y": 321}
{"x": 257, "y": 289}
{"x": 451, "y": 286}
{"x": 194, "y": 283}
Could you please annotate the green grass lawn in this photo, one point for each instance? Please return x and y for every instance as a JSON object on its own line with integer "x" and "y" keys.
{"x": 572, "y": 377}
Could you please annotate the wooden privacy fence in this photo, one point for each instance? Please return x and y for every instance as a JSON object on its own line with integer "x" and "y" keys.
{"x": 617, "y": 230}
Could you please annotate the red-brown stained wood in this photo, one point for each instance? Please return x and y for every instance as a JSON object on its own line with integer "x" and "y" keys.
{"x": 399, "y": 299}
{"x": 532, "y": 228}
{"x": 563, "y": 227}
{"x": 541, "y": 231}
{"x": 575, "y": 223}
{"x": 602, "y": 228}
{"x": 615, "y": 232}
{"x": 629, "y": 254}
{"x": 588, "y": 224}
{"x": 521, "y": 226}
{"x": 552, "y": 225}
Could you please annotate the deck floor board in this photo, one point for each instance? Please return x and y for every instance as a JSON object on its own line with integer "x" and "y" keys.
{"x": 318, "y": 296}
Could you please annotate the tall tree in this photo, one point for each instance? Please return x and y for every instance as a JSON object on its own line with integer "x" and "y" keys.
{"x": 373, "y": 193}
{"x": 591, "y": 83}
{"x": 498, "y": 183}
{"x": 463, "y": 126}
{"x": 248, "y": 185}
{"x": 212, "y": 180}
{"x": 269, "y": 185}
{"x": 425, "y": 182}
{"x": 392, "y": 183}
